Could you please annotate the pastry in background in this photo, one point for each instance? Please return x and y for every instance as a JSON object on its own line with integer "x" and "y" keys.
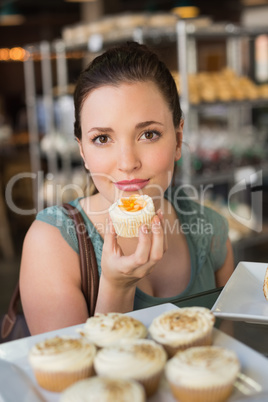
{"x": 263, "y": 91}
{"x": 129, "y": 20}
{"x": 162, "y": 20}
{"x": 222, "y": 86}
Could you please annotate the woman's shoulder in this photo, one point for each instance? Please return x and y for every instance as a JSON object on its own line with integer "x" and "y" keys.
{"x": 41, "y": 233}
{"x": 58, "y": 217}
{"x": 55, "y": 214}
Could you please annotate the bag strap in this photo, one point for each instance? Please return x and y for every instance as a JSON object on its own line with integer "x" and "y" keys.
{"x": 89, "y": 274}
{"x": 9, "y": 318}
{"x": 88, "y": 263}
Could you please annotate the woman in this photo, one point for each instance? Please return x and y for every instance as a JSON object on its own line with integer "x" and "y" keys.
{"x": 128, "y": 125}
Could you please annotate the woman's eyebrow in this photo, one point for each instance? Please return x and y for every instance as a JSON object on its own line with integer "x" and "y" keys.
{"x": 138, "y": 126}
{"x": 101, "y": 129}
{"x": 148, "y": 123}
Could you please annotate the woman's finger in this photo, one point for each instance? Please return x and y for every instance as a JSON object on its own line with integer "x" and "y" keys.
{"x": 157, "y": 248}
{"x": 142, "y": 252}
{"x": 110, "y": 241}
{"x": 128, "y": 264}
{"x": 161, "y": 217}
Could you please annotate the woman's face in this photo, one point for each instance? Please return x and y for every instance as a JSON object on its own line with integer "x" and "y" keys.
{"x": 129, "y": 143}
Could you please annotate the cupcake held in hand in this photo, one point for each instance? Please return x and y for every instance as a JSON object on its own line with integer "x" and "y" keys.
{"x": 61, "y": 361}
{"x": 129, "y": 213}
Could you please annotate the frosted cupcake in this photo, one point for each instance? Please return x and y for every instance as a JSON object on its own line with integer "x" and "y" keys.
{"x": 60, "y": 361}
{"x": 104, "y": 389}
{"x": 182, "y": 328}
{"x": 108, "y": 329}
{"x": 142, "y": 360}
{"x": 203, "y": 374}
{"x": 129, "y": 213}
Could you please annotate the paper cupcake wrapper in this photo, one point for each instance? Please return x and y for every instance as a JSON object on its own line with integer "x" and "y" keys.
{"x": 204, "y": 341}
{"x": 151, "y": 384}
{"x": 129, "y": 227}
{"x": 58, "y": 381}
{"x": 212, "y": 394}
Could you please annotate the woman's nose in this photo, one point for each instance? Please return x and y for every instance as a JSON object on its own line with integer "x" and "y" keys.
{"x": 128, "y": 159}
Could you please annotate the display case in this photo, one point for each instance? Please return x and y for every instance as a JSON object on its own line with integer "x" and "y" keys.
{"x": 226, "y": 145}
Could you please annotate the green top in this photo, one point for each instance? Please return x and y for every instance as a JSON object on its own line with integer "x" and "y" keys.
{"x": 206, "y": 232}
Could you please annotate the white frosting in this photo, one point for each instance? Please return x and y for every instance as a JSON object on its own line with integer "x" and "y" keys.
{"x": 180, "y": 326}
{"x": 104, "y": 389}
{"x": 62, "y": 354}
{"x": 115, "y": 210}
{"x": 108, "y": 329}
{"x": 127, "y": 223}
{"x": 137, "y": 359}
{"x": 203, "y": 366}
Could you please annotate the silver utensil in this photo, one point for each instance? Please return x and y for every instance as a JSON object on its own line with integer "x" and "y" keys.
{"x": 251, "y": 389}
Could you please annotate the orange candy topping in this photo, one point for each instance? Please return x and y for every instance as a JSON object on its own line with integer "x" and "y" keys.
{"x": 133, "y": 203}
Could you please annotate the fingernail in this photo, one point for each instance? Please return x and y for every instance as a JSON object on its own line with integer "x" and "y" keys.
{"x": 144, "y": 229}
{"x": 156, "y": 220}
{"x": 156, "y": 225}
{"x": 160, "y": 213}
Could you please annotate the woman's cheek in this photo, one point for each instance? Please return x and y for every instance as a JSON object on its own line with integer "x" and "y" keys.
{"x": 163, "y": 161}
{"x": 100, "y": 169}
{"x": 98, "y": 162}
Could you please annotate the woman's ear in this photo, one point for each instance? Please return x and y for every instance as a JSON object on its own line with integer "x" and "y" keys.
{"x": 82, "y": 152}
{"x": 179, "y": 136}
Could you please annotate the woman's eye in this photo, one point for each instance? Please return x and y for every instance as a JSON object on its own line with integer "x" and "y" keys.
{"x": 101, "y": 139}
{"x": 151, "y": 135}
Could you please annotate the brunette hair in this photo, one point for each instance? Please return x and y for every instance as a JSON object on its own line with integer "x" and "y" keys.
{"x": 126, "y": 63}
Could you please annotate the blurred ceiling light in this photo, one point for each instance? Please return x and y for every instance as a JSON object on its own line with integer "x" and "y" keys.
{"x": 17, "y": 53}
{"x": 186, "y": 11}
{"x": 13, "y": 54}
{"x": 80, "y": 1}
{"x": 9, "y": 15}
{"x": 4, "y": 54}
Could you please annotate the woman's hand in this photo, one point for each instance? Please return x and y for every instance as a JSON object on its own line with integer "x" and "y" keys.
{"x": 120, "y": 273}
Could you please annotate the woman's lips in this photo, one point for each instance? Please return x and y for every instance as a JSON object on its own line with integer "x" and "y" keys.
{"x": 131, "y": 185}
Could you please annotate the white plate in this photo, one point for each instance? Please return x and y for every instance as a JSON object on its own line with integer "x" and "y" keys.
{"x": 253, "y": 364}
{"x": 242, "y": 297}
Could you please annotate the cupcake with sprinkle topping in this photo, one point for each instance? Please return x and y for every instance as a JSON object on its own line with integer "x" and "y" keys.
{"x": 182, "y": 328}
{"x": 104, "y": 389}
{"x": 203, "y": 374}
{"x": 142, "y": 360}
{"x": 108, "y": 329}
{"x": 61, "y": 361}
